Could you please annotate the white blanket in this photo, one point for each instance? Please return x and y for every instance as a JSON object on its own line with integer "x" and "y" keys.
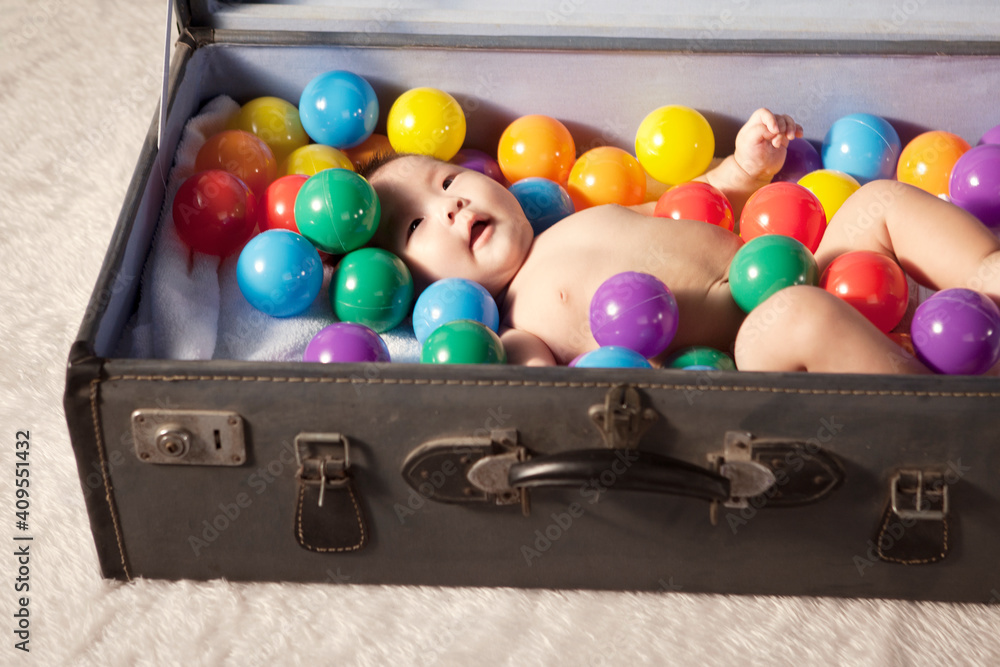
{"x": 80, "y": 83}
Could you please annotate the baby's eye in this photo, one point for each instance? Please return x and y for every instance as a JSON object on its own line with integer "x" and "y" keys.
{"x": 413, "y": 227}
{"x": 447, "y": 182}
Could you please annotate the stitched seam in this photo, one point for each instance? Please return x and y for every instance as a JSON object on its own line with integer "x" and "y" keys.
{"x": 105, "y": 475}
{"x": 301, "y": 535}
{"x": 576, "y": 385}
{"x": 921, "y": 561}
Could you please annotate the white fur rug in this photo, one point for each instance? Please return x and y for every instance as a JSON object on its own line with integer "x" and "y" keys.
{"x": 79, "y": 82}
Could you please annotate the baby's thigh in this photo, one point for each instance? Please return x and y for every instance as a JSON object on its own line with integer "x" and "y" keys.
{"x": 806, "y": 328}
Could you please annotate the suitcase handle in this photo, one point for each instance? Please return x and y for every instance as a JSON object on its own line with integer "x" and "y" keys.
{"x": 620, "y": 469}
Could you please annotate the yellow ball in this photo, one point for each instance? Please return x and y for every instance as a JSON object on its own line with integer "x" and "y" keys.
{"x": 314, "y": 158}
{"x": 426, "y": 121}
{"x": 273, "y": 120}
{"x": 674, "y": 144}
{"x": 831, "y": 187}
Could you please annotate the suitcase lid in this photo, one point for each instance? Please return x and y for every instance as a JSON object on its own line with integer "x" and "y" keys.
{"x": 690, "y": 24}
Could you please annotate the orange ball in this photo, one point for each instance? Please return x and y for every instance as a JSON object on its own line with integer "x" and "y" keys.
{"x": 606, "y": 175}
{"x": 536, "y": 145}
{"x": 241, "y": 154}
{"x": 369, "y": 149}
{"x": 928, "y": 159}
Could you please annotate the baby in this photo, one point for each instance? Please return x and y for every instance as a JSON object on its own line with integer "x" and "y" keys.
{"x": 446, "y": 221}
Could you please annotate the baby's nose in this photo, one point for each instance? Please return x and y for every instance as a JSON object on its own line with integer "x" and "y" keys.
{"x": 452, "y": 207}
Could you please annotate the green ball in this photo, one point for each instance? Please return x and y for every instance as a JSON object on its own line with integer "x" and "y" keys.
{"x": 463, "y": 342}
{"x": 701, "y": 356}
{"x": 372, "y": 287}
{"x": 768, "y": 264}
{"x": 337, "y": 210}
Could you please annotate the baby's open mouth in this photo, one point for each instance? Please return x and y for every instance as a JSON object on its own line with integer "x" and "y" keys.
{"x": 478, "y": 228}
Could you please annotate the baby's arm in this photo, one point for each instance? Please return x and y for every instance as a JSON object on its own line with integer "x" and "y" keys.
{"x": 525, "y": 349}
{"x": 759, "y": 155}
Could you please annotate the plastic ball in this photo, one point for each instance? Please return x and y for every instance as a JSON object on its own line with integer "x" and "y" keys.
{"x": 453, "y": 299}
{"x": 700, "y": 358}
{"x": 241, "y": 154}
{"x": 337, "y": 210}
{"x": 766, "y": 265}
{"x": 338, "y": 109}
{"x": 372, "y": 147}
{"x": 426, "y": 121}
{"x": 314, "y": 158}
{"x": 463, "y": 342}
{"x": 346, "y": 342}
{"x": 277, "y": 206}
{"x": 991, "y": 136}
{"x": 831, "y": 187}
{"x": 862, "y": 145}
{"x": 279, "y": 272}
{"x": 373, "y": 287}
{"x": 476, "y": 160}
{"x": 634, "y": 310}
{"x": 544, "y": 202}
{"x": 611, "y": 356}
{"x": 675, "y": 144}
{"x": 787, "y": 209}
{"x": 801, "y": 158}
{"x": 871, "y": 282}
{"x": 273, "y": 120}
{"x": 696, "y": 201}
{"x": 957, "y": 332}
{"x": 975, "y": 183}
{"x": 536, "y": 146}
{"x": 928, "y": 159}
{"x": 214, "y": 212}
{"x": 606, "y": 175}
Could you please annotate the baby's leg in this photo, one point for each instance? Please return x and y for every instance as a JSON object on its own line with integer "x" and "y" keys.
{"x": 806, "y": 328}
{"x": 938, "y": 244}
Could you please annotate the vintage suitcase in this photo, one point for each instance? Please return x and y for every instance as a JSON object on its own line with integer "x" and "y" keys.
{"x": 870, "y": 486}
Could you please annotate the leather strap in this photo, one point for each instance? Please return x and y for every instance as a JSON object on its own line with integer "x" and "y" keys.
{"x": 335, "y": 526}
{"x": 620, "y": 469}
{"x": 909, "y": 541}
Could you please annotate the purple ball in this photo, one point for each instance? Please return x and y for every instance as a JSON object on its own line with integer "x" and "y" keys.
{"x": 801, "y": 158}
{"x": 346, "y": 342}
{"x": 479, "y": 161}
{"x": 975, "y": 183}
{"x": 957, "y": 332}
{"x": 636, "y": 311}
{"x": 992, "y": 136}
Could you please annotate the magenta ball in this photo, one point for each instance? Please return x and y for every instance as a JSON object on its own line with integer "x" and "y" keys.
{"x": 346, "y": 342}
{"x": 801, "y": 158}
{"x": 957, "y": 332}
{"x": 636, "y": 311}
{"x": 991, "y": 136}
{"x": 476, "y": 160}
{"x": 975, "y": 183}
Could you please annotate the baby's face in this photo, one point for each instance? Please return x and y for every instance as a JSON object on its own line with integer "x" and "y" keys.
{"x": 448, "y": 222}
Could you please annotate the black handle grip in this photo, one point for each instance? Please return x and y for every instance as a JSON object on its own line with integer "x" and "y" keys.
{"x": 633, "y": 470}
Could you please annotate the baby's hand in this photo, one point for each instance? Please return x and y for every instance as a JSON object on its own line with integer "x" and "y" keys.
{"x": 761, "y": 143}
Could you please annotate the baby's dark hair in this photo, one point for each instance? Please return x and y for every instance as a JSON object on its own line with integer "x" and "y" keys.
{"x": 368, "y": 169}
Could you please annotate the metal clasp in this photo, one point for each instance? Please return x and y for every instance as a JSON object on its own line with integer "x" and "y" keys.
{"x": 621, "y": 419}
{"x": 324, "y": 459}
{"x": 919, "y": 494}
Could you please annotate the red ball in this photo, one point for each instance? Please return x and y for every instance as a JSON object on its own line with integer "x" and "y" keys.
{"x": 277, "y": 206}
{"x": 696, "y": 201}
{"x": 784, "y": 208}
{"x": 214, "y": 212}
{"x": 871, "y": 282}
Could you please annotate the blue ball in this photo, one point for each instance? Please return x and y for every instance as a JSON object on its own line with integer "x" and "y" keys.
{"x": 612, "y": 356}
{"x": 338, "y": 109}
{"x": 453, "y": 299}
{"x": 544, "y": 202}
{"x": 279, "y": 272}
{"x": 863, "y": 145}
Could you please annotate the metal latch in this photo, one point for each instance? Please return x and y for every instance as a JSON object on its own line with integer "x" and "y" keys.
{"x": 189, "y": 437}
{"x": 489, "y": 474}
{"x": 621, "y": 419}
{"x": 919, "y": 494}
{"x": 747, "y": 478}
{"x": 323, "y": 459}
